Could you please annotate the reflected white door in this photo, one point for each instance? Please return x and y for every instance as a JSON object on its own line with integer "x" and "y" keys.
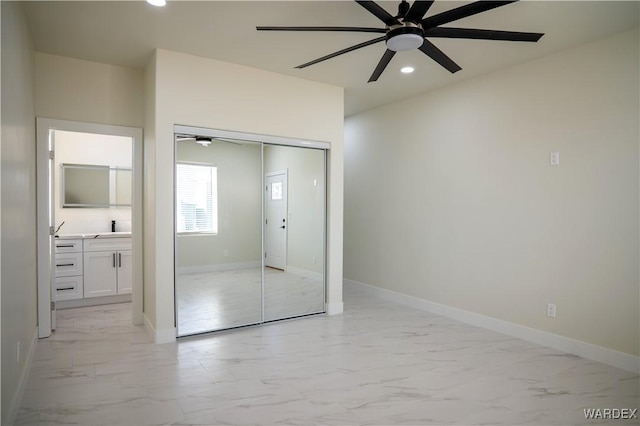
{"x": 276, "y": 220}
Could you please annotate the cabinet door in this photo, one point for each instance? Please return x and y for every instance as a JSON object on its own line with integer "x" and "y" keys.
{"x": 100, "y": 273}
{"x": 125, "y": 272}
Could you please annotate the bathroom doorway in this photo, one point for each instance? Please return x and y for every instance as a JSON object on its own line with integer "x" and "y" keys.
{"x": 89, "y": 188}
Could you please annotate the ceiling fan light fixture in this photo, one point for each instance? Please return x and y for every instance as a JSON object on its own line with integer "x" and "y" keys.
{"x": 407, "y": 70}
{"x": 404, "y": 38}
{"x": 203, "y": 140}
{"x": 158, "y": 3}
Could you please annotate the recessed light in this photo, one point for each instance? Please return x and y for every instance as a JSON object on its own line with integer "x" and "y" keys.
{"x": 406, "y": 70}
{"x": 158, "y": 3}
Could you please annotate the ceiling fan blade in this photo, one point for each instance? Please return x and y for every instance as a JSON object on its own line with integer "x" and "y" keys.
{"x": 384, "y": 61}
{"x": 438, "y": 55}
{"x": 343, "y": 51}
{"x": 345, "y": 29}
{"x": 217, "y": 139}
{"x": 462, "y": 12}
{"x": 378, "y": 12}
{"x": 417, "y": 11}
{"x": 470, "y": 33}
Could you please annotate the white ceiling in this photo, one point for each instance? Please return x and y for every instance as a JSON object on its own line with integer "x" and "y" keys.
{"x": 125, "y": 33}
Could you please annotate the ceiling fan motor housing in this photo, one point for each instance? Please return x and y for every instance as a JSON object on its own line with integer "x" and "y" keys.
{"x": 407, "y": 36}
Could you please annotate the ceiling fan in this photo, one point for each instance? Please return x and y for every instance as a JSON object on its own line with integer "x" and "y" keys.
{"x": 203, "y": 140}
{"x": 409, "y": 30}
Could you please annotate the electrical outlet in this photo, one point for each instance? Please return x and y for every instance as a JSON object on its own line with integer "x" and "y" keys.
{"x": 554, "y": 158}
{"x": 551, "y": 310}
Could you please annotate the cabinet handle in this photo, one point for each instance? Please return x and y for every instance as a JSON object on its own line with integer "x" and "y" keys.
{"x": 119, "y": 260}
{"x": 65, "y": 288}
{"x": 65, "y": 264}
{"x": 114, "y": 259}
{"x": 65, "y": 245}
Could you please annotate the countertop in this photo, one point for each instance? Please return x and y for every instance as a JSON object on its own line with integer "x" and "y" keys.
{"x": 94, "y": 235}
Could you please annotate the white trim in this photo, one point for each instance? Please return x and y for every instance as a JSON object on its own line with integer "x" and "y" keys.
{"x": 607, "y": 356}
{"x": 317, "y": 276}
{"x": 184, "y": 270}
{"x": 167, "y": 335}
{"x": 334, "y": 308}
{"x": 24, "y": 378}
{"x": 251, "y": 137}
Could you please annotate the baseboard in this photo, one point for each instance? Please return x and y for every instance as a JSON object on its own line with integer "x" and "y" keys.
{"x": 601, "y": 354}
{"x": 93, "y": 301}
{"x": 185, "y": 270}
{"x": 334, "y": 308}
{"x": 24, "y": 378}
{"x": 316, "y": 276}
{"x": 159, "y": 336}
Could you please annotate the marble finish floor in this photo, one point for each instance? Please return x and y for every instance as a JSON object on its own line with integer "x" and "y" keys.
{"x": 217, "y": 300}
{"x": 378, "y": 363}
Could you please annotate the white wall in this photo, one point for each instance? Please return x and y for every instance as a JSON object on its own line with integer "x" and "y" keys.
{"x": 305, "y": 201}
{"x": 94, "y": 149}
{"x": 206, "y": 93}
{"x": 19, "y": 308}
{"x": 450, "y": 196}
{"x": 78, "y": 90}
{"x": 239, "y": 190}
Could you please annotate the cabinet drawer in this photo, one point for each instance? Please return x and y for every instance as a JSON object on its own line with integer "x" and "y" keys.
{"x": 68, "y": 288}
{"x": 68, "y": 264}
{"x": 68, "y": 246}
{"x": 107, "y": 244}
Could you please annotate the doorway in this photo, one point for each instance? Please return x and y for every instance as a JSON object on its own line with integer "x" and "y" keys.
{"x": 275, "y": 234}
{"x": 84, "y": 195}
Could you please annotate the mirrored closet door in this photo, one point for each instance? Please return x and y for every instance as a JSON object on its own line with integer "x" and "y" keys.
{"x": 218, "y": 241}
{"x": 293, "y": 232}
{"x": 250, "y": 232}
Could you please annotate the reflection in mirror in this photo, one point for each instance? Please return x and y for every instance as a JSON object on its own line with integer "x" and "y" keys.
{"x": 218, "y": 242}
{"x": 88, "y": 185}
{"x": 294, "y": 208}
{"x": 122, "y": 186}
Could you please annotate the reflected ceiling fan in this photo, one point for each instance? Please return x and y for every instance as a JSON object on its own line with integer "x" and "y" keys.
{"x": 409, "y": 30}
{"x": 203, "y": 140}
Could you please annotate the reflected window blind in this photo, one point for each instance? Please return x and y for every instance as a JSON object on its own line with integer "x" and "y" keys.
{"x": 196, "y": 198}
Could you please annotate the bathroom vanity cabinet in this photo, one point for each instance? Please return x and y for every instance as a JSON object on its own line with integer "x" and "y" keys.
{"x": 93, "y": 266}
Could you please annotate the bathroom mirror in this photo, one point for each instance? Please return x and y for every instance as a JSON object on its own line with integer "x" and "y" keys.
{"x": 86, "y": 185}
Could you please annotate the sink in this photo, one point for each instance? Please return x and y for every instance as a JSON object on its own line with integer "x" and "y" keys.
{"x": 95, "y": 235}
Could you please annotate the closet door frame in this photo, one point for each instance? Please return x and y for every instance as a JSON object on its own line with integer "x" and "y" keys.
{"x": 264, "y": 140}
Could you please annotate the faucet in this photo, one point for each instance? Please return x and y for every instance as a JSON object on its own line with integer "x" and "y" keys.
{"x": 58, "y": 228}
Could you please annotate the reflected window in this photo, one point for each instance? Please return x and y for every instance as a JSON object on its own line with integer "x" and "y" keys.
{"x": 196, "y": 198}
{"x": 276, "y": 191}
